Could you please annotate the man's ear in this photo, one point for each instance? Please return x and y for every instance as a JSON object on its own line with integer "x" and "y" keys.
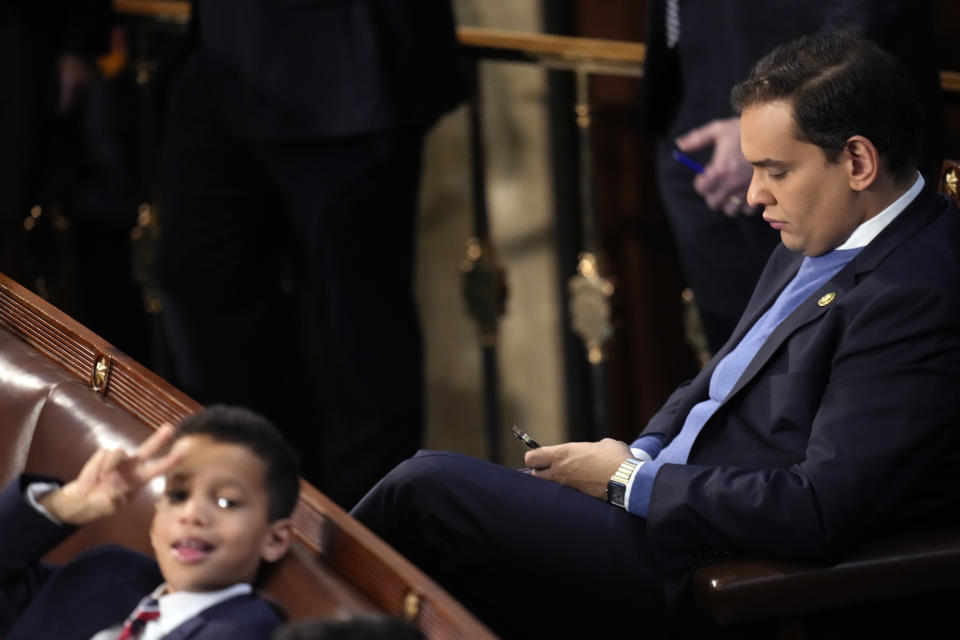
{"x": 277, "y": 540}
{"x": 862, "y": 161}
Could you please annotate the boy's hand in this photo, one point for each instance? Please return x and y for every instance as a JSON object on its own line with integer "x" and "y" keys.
{"x": 585, "y": 466}
{"x": 109, "y": 479}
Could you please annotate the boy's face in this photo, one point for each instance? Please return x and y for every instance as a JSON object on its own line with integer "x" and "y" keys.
{"x": 211, "y": 528}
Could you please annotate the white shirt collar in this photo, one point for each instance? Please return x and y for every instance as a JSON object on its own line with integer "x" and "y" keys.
{"x": 178, "y": 607}
{"x": 867, "y": 231}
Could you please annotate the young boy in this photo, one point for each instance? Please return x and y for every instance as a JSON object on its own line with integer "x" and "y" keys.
{"x": 231, "y": 484}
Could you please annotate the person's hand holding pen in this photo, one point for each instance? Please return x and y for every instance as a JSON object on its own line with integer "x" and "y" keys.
{"x": 724, "y": 181}
{"x": 584, "y": 466}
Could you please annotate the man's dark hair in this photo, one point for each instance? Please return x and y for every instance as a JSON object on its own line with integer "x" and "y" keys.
{"x": 841, "y": 85}
{"x": 236, "y": 425}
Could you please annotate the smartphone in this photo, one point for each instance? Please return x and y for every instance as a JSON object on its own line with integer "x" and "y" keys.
{"x": 527, "y": 440}
{"x": 691, "y": 164}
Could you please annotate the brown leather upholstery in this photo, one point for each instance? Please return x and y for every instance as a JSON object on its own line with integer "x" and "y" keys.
{"x": 906, "y": 565}
{"x": 53, "y": 419}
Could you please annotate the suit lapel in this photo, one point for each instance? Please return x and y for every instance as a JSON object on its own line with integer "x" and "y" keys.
{"x": 808, "y": 311}
{"x": 780, "y": 269}
{"x": 764, "y": 298}
{"x": 203, "y": 621}
{"x": 188, "y": 629}
{"x": 224, "y": 618}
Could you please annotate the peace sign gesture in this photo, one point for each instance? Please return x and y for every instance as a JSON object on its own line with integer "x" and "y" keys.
{"x": 109, "y": 479}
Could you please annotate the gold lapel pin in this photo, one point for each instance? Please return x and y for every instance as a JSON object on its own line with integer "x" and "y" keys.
{"x": 826, "y": 298}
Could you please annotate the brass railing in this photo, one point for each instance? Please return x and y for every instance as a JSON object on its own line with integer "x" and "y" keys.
{"x": 163, "y": 10}
{"x": 590, "y": 290}
{"x": 545, "y": 49}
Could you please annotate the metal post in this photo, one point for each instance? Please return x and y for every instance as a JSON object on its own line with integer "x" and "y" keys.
{"x": 590, "y": 290}
{"x": 483, "y": 280}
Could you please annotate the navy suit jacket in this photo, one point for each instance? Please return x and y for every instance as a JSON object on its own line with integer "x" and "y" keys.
{"x": 96, "y": 590}
{"x": 847, "y": 421}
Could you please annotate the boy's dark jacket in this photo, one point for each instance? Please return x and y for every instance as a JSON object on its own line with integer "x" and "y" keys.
{"x": 96, "y": 590}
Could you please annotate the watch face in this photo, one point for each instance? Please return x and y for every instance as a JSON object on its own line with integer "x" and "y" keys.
{"x": 616, "y": 493}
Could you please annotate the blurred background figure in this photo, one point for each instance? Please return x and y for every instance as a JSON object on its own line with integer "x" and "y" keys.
{"x": 47, "y": 61}
{"x": 68, "y": 180}
{"x": 696, "y": 51}
{"x": 290, "y": 176}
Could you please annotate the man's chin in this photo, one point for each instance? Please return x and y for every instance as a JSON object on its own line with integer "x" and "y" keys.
{"x": 790, "y": 243}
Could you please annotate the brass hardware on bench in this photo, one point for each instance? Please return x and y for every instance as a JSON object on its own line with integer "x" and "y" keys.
{"x": 411, "y": 606}
{"x": 101, "y": 373}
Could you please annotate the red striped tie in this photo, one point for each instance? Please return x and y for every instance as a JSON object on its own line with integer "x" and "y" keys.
{"x": 148, "y": 610}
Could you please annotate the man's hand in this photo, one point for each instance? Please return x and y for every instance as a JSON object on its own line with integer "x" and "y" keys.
{"x": 74, "y": 75}
{"x": 109, "y": 479}
{"x": 724, "y": 182}
{"x": 585, "y": 466}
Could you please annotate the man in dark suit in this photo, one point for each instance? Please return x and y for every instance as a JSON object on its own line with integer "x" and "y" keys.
{"x": 831, "y": 414}
{"x": 231, "y": 484}
{"x": 693, "y": 60}
{"x": 290, "y": 175}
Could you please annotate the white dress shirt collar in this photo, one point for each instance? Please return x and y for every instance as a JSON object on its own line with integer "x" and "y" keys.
{"x": 866, "y": 232}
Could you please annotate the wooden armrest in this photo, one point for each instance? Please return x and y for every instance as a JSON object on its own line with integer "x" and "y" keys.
{"x": 745, "y": 590}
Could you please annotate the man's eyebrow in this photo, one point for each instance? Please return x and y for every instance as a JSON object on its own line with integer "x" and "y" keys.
{"x": 768, "y": 163}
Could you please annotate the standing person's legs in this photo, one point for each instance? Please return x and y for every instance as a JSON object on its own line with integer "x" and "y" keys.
{"x": 531, "y": 558}
{"x": 225, "y": 239}
{"x": 355, "y": 202}
{"x": 722, "y": 256}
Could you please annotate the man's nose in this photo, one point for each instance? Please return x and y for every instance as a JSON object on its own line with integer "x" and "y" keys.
{"x": 757, "y": 194}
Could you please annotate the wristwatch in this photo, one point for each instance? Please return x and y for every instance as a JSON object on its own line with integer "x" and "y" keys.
{"x": 617, "y": 486}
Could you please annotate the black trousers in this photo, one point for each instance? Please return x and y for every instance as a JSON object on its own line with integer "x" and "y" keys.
{"x": 531, "y": 558}
{"x": 722, "y": 257}
{"x": 238, "y": 218}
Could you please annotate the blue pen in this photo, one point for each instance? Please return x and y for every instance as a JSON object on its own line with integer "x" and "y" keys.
{"x": 684, "y": 160}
